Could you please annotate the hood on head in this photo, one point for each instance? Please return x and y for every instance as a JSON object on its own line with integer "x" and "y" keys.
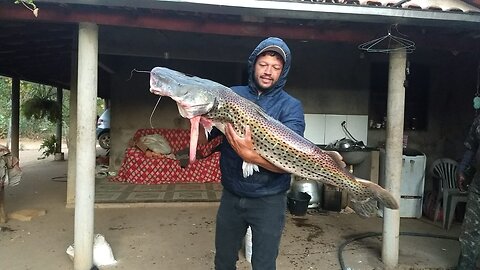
{"x": 271, "y": 44}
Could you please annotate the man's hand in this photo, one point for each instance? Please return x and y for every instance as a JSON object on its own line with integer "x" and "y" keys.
{"x": 461, "y": 181}
{"x": 243, "y": 146}
{"x": 337, "y": 157}
{"x": 245, "y": 149}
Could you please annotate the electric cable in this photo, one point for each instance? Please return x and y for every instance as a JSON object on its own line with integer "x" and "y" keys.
{"x": 373, "y": 234}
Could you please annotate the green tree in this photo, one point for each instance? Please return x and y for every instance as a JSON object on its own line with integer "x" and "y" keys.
{"x": 31, "y": 127}
{"x": 6, "y": 105}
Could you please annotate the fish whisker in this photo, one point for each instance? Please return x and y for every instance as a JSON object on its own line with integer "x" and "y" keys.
{"x": 135, "y": 70}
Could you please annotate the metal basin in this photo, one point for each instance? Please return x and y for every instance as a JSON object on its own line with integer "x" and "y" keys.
{"x": 354, "y": 157}
{"x": 351, "y": 156}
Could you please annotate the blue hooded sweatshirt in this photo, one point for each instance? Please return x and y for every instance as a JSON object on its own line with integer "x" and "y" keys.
{"x": 279, "y": 105}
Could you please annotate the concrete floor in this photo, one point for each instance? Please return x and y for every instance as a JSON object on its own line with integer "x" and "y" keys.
{"x": 181, "y": 235}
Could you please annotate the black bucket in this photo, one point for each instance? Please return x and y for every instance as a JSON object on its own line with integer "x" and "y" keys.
{"x": 297, "y": 202}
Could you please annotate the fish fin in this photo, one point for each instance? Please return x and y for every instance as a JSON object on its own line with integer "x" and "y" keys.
{"x": 366, "y": 208}
{"x": 194, "y": 129}
{"x": 248, "y": 169}
{"x": 380, "y": 194}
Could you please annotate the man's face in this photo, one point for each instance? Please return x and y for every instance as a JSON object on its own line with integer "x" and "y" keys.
{"x": 267, "y": 70}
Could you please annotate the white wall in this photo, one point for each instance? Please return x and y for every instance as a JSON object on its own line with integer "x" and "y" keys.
{"x": 327, "y": 128}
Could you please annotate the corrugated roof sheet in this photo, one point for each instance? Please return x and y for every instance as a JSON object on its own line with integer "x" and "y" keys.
{"x": 440, "y": 5}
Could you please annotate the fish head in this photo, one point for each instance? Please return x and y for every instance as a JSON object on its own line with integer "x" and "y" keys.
{"x": 193, "y": 95}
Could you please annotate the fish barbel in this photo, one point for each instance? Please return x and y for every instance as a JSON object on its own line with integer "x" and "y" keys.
{"x": 212, "y": 104}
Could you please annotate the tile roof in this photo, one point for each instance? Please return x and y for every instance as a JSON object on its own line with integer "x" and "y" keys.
{"x": 438, "y": 5}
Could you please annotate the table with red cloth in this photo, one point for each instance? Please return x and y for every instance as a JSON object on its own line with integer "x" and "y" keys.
{"x": 137, "y": 168}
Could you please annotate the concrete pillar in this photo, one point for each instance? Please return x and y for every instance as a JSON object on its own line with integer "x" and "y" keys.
{"x": 393, "y": 155}
{"x": 72, "y": 134}
{"x": 85, "y": 178}
{"x": 58, "y": 148}
{"x": 15, "y": 119}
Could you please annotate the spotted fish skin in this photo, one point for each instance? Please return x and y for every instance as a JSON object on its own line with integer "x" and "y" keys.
{"x": 217, "y": 105}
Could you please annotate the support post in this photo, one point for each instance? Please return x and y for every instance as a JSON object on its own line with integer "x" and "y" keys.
{"x": 3, "y": 215}
{"x": 15, "y": 119}
{"x": 72, "y": 132}
{"x": 58, "y": 145}
{"x": 85, "y": 178}
{"x": 393, "y": 155}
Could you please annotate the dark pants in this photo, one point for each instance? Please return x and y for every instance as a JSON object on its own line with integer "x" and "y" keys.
{"x": 470, "y": 236}
{"x": 266, "y": 217}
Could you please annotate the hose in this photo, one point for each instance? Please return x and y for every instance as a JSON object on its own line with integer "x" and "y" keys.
{"x": 373, "y": 234}
{"x": 400, "y": 3}
{"x": 348, "y": 132}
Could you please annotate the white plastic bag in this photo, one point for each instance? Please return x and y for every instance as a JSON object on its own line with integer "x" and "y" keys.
{"x": 248, "y": 245}
{"x": 102, "y": 252}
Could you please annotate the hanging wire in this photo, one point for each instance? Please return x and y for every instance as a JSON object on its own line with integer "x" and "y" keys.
{"x": 388, "y": 43}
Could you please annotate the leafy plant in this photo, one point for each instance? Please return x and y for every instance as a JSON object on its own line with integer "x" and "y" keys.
{"x": 31, "y": 127}
{"x": 48, "y": 145}
{"x": 30, "y": 5}
{"x": 42, "y": 107}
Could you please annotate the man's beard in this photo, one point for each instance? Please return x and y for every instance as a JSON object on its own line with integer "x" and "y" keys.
{"x": 260, "y": 88}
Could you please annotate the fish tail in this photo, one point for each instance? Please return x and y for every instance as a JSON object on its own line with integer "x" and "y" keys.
{"x": 366, "y": 206}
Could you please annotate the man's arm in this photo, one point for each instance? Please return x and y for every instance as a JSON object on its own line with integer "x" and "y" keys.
{"x": 202, "y": 137}
{"x": 471, "y": 146}
{"x": 244, "y": 148}
{"x": 466, "y": 161}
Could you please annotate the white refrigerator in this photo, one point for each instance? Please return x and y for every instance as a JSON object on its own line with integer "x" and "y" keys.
{"x": 412, "y": 185}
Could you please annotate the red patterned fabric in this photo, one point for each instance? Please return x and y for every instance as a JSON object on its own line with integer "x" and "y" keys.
{"x": 140, "y": 169}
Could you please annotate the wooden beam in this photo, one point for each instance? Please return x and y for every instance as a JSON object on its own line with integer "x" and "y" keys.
{"x": 120, "y": 17}
{"x": 161, "y": 20}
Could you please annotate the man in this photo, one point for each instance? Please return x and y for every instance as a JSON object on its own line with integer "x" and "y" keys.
{"x": 470, "y": 236}
{"x": 258, "y": 200}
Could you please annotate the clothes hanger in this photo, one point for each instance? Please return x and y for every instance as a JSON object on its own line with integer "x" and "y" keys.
{"x": 388, "y": 43}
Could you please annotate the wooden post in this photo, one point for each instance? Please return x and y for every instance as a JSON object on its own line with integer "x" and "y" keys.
{"x": 3, "y": 216}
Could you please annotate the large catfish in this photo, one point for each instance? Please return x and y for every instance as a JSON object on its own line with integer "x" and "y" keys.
{"x": 212, "y": 104}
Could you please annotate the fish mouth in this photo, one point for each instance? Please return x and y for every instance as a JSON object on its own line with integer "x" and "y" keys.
{"x": 190, "y": 111}
{"x": 156, "y": 85}
{"x": 155, "y": 91}
{"x": 153, "y": 83}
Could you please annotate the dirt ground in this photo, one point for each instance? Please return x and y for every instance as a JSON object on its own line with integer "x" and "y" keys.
{"x": 181, "y": 235}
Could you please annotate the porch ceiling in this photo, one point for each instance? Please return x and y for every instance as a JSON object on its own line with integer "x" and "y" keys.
{"x": 40, "y": 49}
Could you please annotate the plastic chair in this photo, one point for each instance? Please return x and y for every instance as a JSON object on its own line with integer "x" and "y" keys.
{"x": 445, "y": 170}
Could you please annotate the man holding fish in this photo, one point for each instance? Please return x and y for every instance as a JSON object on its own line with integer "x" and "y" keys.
{"x": 258, "y": 200}
{"x": 264, "y": 129}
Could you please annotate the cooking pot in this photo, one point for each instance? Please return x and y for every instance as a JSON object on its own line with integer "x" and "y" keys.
{"x": 312, "y": 187}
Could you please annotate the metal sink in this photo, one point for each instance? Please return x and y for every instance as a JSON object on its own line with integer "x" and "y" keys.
{"x": 354, "y": 157}
{"x": 351, "y": 156}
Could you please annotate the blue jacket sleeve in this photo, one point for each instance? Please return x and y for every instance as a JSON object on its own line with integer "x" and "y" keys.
{"x": 292, "y": 116}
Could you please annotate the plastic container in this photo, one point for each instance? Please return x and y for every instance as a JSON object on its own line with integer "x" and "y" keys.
{"x": 297, "y": 202}
{"x": 248, "y": 245}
